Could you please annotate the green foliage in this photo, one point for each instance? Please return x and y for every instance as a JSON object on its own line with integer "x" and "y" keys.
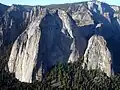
{"x": 62, "y": 76}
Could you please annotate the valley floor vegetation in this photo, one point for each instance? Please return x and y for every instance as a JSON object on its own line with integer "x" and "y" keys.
{"x": 62, "y": 76}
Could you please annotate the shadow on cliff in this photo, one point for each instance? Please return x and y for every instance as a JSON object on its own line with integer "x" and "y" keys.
{"x": 54, "y": 45}
{"x": 113, "y": 42}
{"x": 110, "y": 32}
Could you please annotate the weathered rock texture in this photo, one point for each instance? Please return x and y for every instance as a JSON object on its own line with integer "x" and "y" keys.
{"x": 24, "y": 53}
{"x": 43, "y": 36}
{"x": 45, "y": 42}
{"x": 97, "y": 55}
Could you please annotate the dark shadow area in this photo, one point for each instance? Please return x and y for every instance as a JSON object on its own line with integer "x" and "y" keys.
{"x": 87, "y": 31}
{"x": 3, "y": 8}
{"x": 52, "y": 40}
{"x": 13, "y": 23}
{"x": 110, "y": 30}
{"x": 114, "y": 47}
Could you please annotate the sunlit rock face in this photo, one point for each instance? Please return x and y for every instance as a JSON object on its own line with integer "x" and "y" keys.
{"x": 97, "y": 55}
{"x": 82, "y": 15}
{"x": 48, "y": 39}
{"x": 24, "y": 53}
{"x": 43, "y": 36}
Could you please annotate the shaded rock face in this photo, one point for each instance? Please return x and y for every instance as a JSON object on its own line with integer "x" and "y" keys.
{"x": 3, "y": 8}
{"x": 14, "y": 21}
{"x": 45, "y": 42}
{"x": 97, "y": 55}
{"x": 44, "y": 36}
{"x": 11, "y": 25}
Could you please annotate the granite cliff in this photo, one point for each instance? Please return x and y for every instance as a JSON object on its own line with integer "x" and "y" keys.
{"x": 42, "y": 36}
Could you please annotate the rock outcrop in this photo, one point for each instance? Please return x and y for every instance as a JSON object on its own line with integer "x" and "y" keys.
{"x": 24, "y": 53}
{"x": 45, "y": 42}
{"x": 97, "y": 55}
{"x": 83, "y": 16}
{"x": 43, "y": 36}
{"x": 15, "y": 20}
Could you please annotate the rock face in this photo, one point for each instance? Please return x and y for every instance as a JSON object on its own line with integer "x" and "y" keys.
{"x": 97, "y": 55}
{"x": 24, "y": 53}
{"x": 82, "y": 16}
{"x": 45, "y": 42}
{"x": 42, "y": 36}
{"x": 15, "y": 20}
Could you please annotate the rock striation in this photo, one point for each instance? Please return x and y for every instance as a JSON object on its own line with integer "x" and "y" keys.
{"x": 42, "y": 36}
{"x": 48, "y": 39}
{"x": 97, "y": 55}
{"x": 24, "y": 53}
